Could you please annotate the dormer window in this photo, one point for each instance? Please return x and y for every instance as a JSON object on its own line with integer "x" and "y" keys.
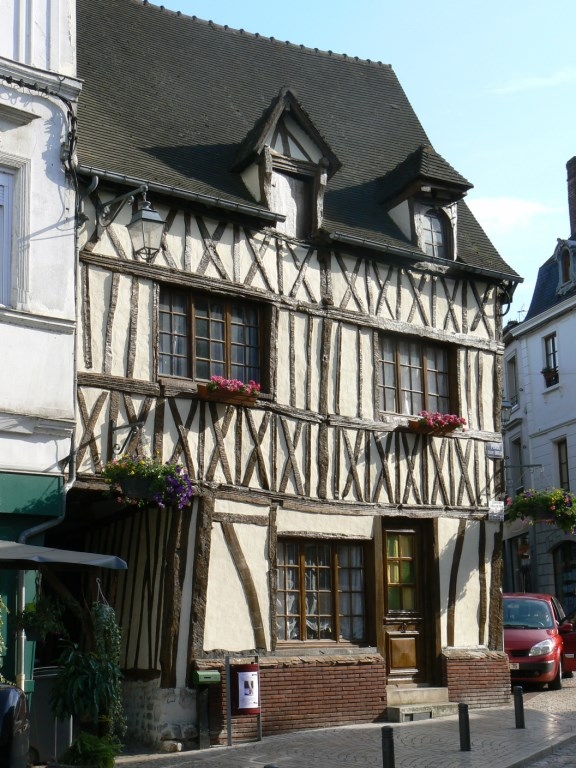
{"x": 434, "y": 231}
{"x": 565, "y": 256}
{"x": 293, "y": 194}
{"x": 565, "y": 262}
{"x": 285, "y": 164}
{"x": 433, "y": 235}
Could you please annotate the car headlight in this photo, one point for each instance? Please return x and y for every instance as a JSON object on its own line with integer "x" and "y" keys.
{"x": 542, "y": 648}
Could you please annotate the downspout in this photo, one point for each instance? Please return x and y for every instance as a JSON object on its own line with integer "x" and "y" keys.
{"x": 22, "y": 538}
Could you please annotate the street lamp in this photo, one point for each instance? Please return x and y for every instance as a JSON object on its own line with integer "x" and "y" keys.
{"x": 145, "y": 228}
{"x": 505, "y": 412}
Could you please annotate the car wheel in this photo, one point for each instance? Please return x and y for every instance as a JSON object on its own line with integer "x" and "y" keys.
{"x": 556, "y": 684}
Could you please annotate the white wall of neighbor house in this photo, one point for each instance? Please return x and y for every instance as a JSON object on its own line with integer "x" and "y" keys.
{"x": 37, "y": 307}
{"x": 41, "y": 34}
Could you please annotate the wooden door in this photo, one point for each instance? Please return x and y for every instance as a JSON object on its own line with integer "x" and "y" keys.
{"x": 408, "y": 626}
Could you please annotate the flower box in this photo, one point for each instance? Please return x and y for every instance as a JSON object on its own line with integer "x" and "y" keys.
{"x": 225, "y": 396}
{"x": 426, "y": 429}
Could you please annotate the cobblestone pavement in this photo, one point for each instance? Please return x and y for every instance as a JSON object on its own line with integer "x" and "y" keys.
{"x": 547, "y": 741}
{"x": 558, "y": 703}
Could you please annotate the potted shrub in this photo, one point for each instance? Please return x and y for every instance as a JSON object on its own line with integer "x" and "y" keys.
{"x": 550, "y": 375}
{"x": 88, "y": 689}
{"x": 91, "y": 750}
{"x": 41, "y": 618}
{"x": 554, "y": 507}
{"x": 143, "y": 480}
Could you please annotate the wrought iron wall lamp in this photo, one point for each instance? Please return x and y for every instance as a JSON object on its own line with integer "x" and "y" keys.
{"x": 505, "y": 412}
{"x": 145, "y": 228}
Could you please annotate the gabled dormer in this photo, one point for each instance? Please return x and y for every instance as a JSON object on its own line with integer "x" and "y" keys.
{"x": 421, "y": 195}
{"x": 285, "y": 164}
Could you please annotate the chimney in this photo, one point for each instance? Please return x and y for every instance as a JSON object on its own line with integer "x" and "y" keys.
{"x": 571, "y": 168}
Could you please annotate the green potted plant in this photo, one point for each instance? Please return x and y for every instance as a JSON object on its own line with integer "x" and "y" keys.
{"x": 143, "y": 480}
{"x": 554, "y": 507}
{"x": 40, "y": 618}
{"x": 93, "y": 751}
{"x": 88, "y": 689}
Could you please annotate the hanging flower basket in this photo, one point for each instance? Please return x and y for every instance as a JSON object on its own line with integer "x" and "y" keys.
{"x": 232, "y": 391}
{"x": 436, "y": 423}
{"x": 135, "y": 487}
{"x": 553, "y": 507}
{"x": 142, "y": 480}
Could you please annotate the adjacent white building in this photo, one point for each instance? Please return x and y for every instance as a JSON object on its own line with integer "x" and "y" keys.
{"x": 540, "y": 438}
{"x": 38, "y": 95}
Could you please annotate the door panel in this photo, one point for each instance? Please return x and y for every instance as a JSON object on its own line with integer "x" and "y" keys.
{"x": 408, "y": 630}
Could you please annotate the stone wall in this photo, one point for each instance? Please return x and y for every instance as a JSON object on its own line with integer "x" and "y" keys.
{"x": 164, "y": 718}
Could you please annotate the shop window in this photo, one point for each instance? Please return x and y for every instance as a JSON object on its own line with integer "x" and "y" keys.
{"x": 564, "y": 558}
{"x": 321, "y": 591}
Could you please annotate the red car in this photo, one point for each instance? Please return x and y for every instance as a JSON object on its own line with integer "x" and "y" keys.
{"x": 538, "y": 639}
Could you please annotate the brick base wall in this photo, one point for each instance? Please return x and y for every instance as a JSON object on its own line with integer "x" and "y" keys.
{"x": 479, "y": 678}
{"x": 300, "y": 693}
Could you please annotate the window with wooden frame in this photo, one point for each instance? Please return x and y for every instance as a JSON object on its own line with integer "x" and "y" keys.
{"x": 321, "y": 591}
{"x": 414, "y": 376}
{"x": 202, "y": 336}
{"x": 435, "y": 234}
{"x": 562, "y": 456}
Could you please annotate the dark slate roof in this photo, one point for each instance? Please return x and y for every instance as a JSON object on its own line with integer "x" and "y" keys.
{"x": 545, "y": 296}
{"x": 170, "y": 100}
{"x": 425, "y": 165}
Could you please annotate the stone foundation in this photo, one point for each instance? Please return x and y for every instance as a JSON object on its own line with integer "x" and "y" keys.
{"x": 164, "y": 718}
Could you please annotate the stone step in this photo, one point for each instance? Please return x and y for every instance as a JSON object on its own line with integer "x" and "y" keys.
{"x": 410, "y": 712}
{"x": 399, "y": 695}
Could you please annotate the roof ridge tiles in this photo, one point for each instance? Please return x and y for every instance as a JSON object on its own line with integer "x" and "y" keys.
{"x": 258, "y": 36}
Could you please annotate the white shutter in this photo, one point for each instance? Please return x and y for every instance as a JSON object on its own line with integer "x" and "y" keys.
{"x": 5, "y": 236}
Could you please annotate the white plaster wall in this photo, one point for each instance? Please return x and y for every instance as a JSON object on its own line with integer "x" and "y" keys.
{"x": 468, "y": 587}
{"x": 311, "y": 523}
{"x": 41, "y": 33}
{"x": 401, "y": 216}
{"x": 227, "y": 623}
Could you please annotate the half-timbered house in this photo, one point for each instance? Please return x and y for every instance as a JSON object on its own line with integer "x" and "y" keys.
{"x": 316, "y": 243}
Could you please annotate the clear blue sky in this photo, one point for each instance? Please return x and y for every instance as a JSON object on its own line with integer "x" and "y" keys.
{"x": 493, "y": 83}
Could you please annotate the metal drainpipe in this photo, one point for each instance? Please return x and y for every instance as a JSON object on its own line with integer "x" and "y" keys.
{"x": 21, "y": 591}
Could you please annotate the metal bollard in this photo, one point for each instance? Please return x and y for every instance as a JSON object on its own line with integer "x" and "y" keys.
{"x": 464, "y": 723}
{"x": 388, "y": 747}
{"x": 519, "y": 706}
